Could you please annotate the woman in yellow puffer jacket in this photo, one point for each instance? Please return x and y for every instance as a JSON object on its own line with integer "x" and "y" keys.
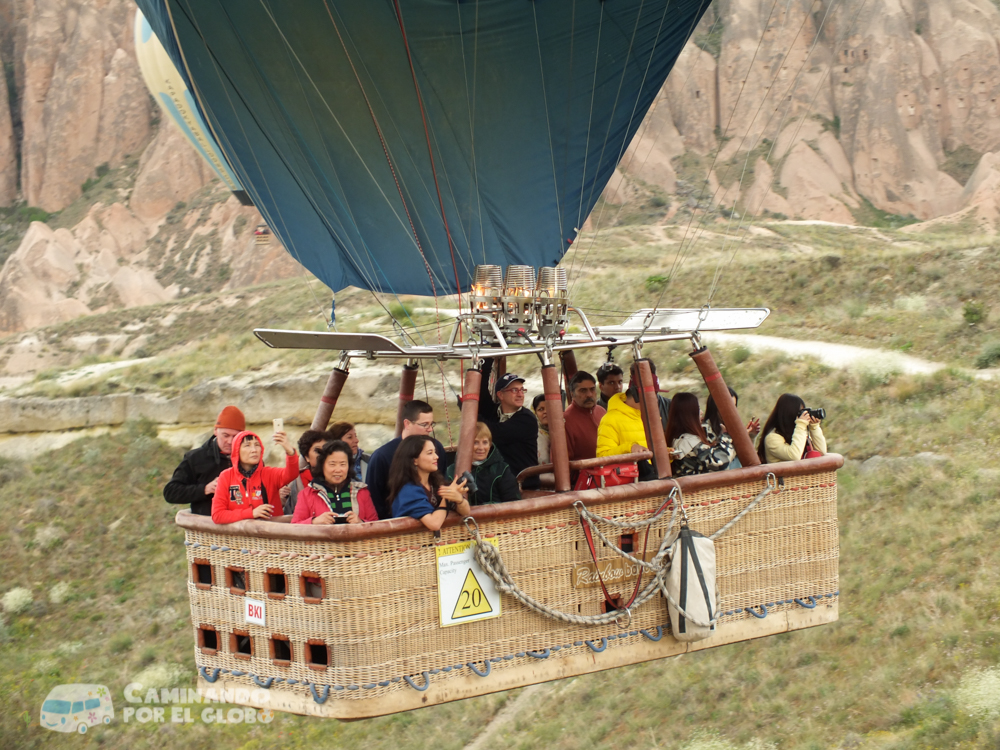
{"x": 620, "y": 430}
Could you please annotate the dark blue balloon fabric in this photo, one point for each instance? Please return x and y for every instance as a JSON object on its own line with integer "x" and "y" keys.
{"x": 512, "y": 118}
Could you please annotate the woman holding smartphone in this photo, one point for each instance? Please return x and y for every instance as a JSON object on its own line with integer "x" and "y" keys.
{"x": 416, "y": 487}
{"x": 332, "y": 496}
{"x": 789, "y": 430}
{"x": 249, "y": 489}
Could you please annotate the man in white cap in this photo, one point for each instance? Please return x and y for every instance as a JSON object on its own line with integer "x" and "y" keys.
{"x": 514, "y": 428}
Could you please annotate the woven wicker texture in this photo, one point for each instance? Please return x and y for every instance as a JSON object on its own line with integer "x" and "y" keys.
{"x": 379, "y": 618}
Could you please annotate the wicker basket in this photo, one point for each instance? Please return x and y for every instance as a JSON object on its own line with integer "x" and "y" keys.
{"x": 356, "y": 632}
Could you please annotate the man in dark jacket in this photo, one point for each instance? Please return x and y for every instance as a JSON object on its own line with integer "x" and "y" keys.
{"x": 418, "y": 419}
{"x": 194, "y": 480}
{"x": 609, "y": 378}
{"x": 514, "y": 428}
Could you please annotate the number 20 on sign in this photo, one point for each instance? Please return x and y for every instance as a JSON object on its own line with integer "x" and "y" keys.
{"x": 465, "y": 592}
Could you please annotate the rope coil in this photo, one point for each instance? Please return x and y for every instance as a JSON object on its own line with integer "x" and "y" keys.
{"x": 489, "y": 559}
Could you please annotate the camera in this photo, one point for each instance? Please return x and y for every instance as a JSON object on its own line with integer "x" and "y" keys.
{"x": 470, "y": 482}
{"x": 817, "y": 413}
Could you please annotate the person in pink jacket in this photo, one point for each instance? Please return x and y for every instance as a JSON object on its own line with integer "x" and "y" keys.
{"x": 248, "y": 488}
{"x": 332, "y": 496}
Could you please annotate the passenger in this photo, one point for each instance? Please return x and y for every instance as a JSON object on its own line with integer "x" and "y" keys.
{"x": 416, "y": 487}
{"x": 609, "y": 378}
{"x": 789, "y": 432}
{"x": 333, "y": 494}
{"x": 418, "y": 421}
{"x": 714, "y": 427}
{"x": 514, "y": 428}
{"x": 345, "y": 431}
{"x": 621, "y": 430}
{"x": 541, "y": 410}
{"x": 691, "y": 450}
{"x": 582, "y": 417}
{"x": 196, "y": 477}
{"x": 495, "y": 483}
{"x": 309, "y": 444}
{"x": 246, "y": 489}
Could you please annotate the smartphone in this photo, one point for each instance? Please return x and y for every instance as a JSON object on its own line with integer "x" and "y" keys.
{"x": 279, "y": 424}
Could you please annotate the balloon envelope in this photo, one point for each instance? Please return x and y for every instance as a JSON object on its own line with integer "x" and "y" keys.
{"x": 396, "y": 144}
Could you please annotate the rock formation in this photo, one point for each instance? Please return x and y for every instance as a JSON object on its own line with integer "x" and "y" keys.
{"x": 83, "y": 102}
{"x": 803, "y": 109}
{"x": 822, "y": 105}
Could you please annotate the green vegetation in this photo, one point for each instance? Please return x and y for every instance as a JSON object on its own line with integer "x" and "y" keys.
{"x": 961, "y": 163}
{"x": 873, "y": 288}
{"x": 870, "y": 216}
{"x": 919, "y": 601}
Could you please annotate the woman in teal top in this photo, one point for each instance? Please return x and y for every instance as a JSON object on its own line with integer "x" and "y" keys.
{"x": 416, "y": 487}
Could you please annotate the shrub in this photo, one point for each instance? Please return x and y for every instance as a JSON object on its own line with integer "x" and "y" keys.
{"x": 979, "y": 693}
{"x": 656, "y": 283}
{"x": 162, "y": 676}
{"x": 989, "y": 356}
{"x": 33, "y": 213}
{"x": 49, "y": 537}
{"x": 974, "y": 312}
{"x": 59, "y": 593}
{"x": 120, "y": 643}
{"x": 855, "y": 308}
{"x": 740, "y": 354}
{"x": 17, "y": 600}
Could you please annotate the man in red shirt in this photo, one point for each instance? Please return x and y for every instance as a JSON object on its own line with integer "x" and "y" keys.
{"x": 582, "y": 417}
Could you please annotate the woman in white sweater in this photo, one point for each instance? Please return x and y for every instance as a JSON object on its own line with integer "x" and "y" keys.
{"x": 789, "y": 432}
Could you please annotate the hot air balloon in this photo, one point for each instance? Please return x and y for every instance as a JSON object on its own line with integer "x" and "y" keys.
{"x": 168, "y": 88}
{"x": 438, "y": 147}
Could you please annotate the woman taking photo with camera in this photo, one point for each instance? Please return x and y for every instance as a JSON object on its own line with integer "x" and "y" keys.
{"x": 416, "y": 487}
{"x": 791, "y": 432}
{"x": 332, "y": 495}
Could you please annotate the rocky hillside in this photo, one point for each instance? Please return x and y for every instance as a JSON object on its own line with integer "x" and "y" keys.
{"x": 851, "y": 111}
{"x": 107, "y": 207}
{"x": 825, "y": 109}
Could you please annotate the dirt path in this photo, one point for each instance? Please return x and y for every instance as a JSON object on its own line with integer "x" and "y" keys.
{"x": 839, "y": 355}
{"x": 508, "y": 714}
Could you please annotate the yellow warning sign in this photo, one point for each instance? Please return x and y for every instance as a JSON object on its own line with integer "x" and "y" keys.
{"x": 465, "y": 592}
{"x": 471, "y": 600}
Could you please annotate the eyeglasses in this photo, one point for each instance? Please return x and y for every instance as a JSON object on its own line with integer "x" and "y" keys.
{"x": 515, "y": 391}
{"x": 426, "y": 425}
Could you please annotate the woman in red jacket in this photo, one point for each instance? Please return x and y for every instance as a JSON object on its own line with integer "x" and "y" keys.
{"x": 332, "y": 496}
{"x": 248, "y": 488}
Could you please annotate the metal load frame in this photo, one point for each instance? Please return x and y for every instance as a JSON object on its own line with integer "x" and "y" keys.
{"x": 643, "y": 326}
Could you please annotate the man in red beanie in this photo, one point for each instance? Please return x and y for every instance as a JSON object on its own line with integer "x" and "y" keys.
{"x": 196, "y": 477}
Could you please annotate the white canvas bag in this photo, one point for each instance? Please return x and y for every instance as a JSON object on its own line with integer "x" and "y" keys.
{"x": 692, "y": 600}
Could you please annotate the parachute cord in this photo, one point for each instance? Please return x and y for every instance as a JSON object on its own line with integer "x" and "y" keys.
{"x": 385, "y": 150}
{"x": 631, "y": 119}
{"x": 430, "y": 152}
{"x": 548, "y": 128}
{"x": 687, "y": 240}
{"x": 798, "y": 129}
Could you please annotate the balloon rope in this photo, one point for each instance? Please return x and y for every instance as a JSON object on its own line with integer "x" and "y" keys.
{"x": 430, "y": 151}
{"x": 385, "y": 150}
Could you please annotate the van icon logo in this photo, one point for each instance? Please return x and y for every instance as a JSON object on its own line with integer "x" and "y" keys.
{"x": 76, "y": 708}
